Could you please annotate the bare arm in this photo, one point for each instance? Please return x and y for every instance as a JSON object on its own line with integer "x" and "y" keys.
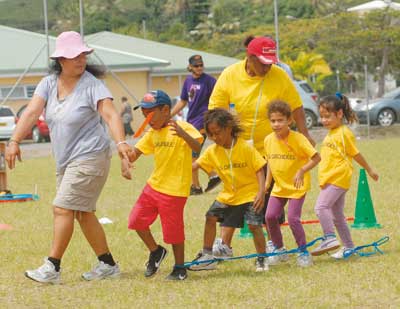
{"x": 192, "y": 142}
{"x": 126, "y": 165}
{"x": 361, "y": 160}
{"x": 178, "y": 107}
{"x": 300, "y": 119}
{"x": 24, "y": 125}
{"x": 268, "y": 179}
{"x": 259, "y": 199}
{"x": 113, "y": 120}
{"x": 299, "y": 177}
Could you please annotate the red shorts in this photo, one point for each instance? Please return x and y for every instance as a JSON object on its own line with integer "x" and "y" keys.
{"x": 150, "y": 204}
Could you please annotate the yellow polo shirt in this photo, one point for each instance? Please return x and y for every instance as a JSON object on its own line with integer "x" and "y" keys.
{"x": 236, "y": 86}
{"x": 285, "y": 158}
{"x": 337, "y": 152}
{"x": 172, "y": 172}
{"x": 241, "y": 186}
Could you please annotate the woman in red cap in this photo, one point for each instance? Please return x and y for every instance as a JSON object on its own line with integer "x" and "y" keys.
{"x": 75, "y": 101}
{"x": 249, "y": 86}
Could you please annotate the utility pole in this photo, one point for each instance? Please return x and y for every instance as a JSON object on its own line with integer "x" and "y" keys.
{"x": 276, "y": 27}
{"x": 46, "y": 30}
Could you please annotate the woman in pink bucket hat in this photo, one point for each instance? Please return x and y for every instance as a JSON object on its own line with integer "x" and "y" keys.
{"x": 75, "y": 101}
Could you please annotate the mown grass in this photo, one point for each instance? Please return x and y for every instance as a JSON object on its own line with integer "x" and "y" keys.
{"x": 358, "y": 283}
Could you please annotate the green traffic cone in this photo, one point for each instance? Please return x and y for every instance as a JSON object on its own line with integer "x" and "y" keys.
{"x": 245, "y": 232}
{"x": 364, "y": 217}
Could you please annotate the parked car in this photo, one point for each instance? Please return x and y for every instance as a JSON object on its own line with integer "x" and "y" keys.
{"x": 40, "y": 131}
{"x": 383, "y": 111}
{"x": 7, "y": 122}
{"x": 310, "y": 102}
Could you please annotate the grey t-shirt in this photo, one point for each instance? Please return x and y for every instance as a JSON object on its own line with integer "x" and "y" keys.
{"x": 76, "y": 129}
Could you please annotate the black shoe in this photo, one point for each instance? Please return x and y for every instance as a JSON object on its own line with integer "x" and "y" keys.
{"x": 177, "y": 274}
{"x": 212, "y": 183}
{"x": 154, "y": 262}
{"x": 195, "y": 191}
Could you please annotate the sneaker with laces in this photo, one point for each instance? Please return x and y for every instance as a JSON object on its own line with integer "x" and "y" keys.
{"x": 221, "y": 250}
{"x": 195, "y": 190}
{"x": 177, "y": 273}
{"x": 102, "y": 271}
{"x": 261, "y": 265}
{"x": 339, "y": 255}
{"x": 213, "y": 182}
{"x": 45, "y": 274}
{"x": 304, "y": 259}
{"x": 280, "y": 257}
{"x": 154, "y": 262}
{"x": 328, "y": 244}
{"x": 269, "y": 246}
{"x": 208, "y": 262}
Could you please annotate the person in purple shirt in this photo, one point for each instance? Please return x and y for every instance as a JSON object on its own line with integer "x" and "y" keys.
{"x": 196, "y": 92}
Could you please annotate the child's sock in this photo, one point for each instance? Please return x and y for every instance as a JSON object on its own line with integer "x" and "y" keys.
{"x": 107, "y": 258}
{"x": 55, "y": 262}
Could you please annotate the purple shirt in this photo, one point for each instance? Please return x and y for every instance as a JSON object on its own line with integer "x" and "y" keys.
{"x": 197, "y": 92}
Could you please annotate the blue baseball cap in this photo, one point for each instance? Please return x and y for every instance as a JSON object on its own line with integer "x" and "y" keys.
{"x": 155, "y": 98}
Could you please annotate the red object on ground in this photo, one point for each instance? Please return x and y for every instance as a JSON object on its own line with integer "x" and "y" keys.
{"x": 314, "y": 221}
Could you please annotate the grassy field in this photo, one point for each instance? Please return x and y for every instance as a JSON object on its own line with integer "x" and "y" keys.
{"x": 357, "y": 283}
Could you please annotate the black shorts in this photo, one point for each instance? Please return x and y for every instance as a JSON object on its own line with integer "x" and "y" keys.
{"x": 229, "y": 216}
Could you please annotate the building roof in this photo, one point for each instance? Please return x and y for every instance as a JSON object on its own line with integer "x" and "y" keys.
{"x": 20, "y": 47}
{"x": 175, "y": 55}
{"x": 374, "y": 5}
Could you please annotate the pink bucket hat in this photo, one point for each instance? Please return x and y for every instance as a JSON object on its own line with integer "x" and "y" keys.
{"x": 69, "y": 45}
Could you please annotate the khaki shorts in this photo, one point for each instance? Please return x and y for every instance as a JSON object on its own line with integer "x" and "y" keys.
{"x": 80, "y": 185}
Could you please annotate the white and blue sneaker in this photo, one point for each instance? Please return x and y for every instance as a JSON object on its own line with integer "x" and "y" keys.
{"x": 328, "y": 244}
{"x": 339, "y": 255}
{"x": 102, "y": 271}
{"x": 304, "y": 259}
{"x": 208, "y": 262}
{"x": 45, "y": 274}
{"x": 280, "y": 257}
{"x": 221, "y": 250}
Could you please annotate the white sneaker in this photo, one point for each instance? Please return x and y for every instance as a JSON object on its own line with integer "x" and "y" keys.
{"x": 201, "y": 256}
{"x": 304, "y": 259}
{"x": 46, "y": 273}
{"x": 102, "y": 271}
{"x": 328, "y": 244}
{"x": 269, "y": 246}
{"x": 276, "y": 259}
{"x": 261, "y": 264}
{"x": 339, "y": 255}
{"x": 221, "y": 250}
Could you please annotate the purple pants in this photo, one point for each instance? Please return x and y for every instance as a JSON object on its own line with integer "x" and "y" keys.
{"x": 330, "y": 211}
{"x": 274, "y": 211}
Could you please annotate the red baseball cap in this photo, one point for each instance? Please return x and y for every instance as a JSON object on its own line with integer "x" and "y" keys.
{"x": 264, "y": 49}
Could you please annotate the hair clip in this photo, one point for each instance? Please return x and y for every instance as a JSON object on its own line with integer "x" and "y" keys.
{"x": 339, "y": 95}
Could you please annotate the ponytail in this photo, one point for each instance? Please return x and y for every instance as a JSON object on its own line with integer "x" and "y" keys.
{"x": 348, "y": 112}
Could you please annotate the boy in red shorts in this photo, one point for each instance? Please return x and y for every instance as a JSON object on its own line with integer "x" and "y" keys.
{"x": 168, "y": 187}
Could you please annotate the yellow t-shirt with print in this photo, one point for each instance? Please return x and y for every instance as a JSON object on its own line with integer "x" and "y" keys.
{"x": 337, "y": 152}
{"x": 240, "y": 182}
{"x": 235, "y": 86}
{"x": 285, "y": 158}
{"x": 172, "y": 172}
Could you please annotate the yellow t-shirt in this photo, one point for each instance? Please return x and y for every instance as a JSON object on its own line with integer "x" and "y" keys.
{"x": 236, "y": 86}
{"x": 337, "y": 152}
{"x": 285, "y": 158}
{"x": 242, "y": 186}
{"x": 172, "y": 173}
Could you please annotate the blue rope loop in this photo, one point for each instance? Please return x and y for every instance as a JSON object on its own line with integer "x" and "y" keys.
{"x": 12, "y": 197}
{"x": 346, "y": 254}
{"x": 357, "y": 250}
{"x": 254, "y": 255}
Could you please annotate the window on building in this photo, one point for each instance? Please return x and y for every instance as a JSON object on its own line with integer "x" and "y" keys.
{"x": 20, "y": 92}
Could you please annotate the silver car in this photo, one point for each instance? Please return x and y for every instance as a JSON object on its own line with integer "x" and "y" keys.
{"x": 310, "y": 105}
{"x": 7, "y": 122}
